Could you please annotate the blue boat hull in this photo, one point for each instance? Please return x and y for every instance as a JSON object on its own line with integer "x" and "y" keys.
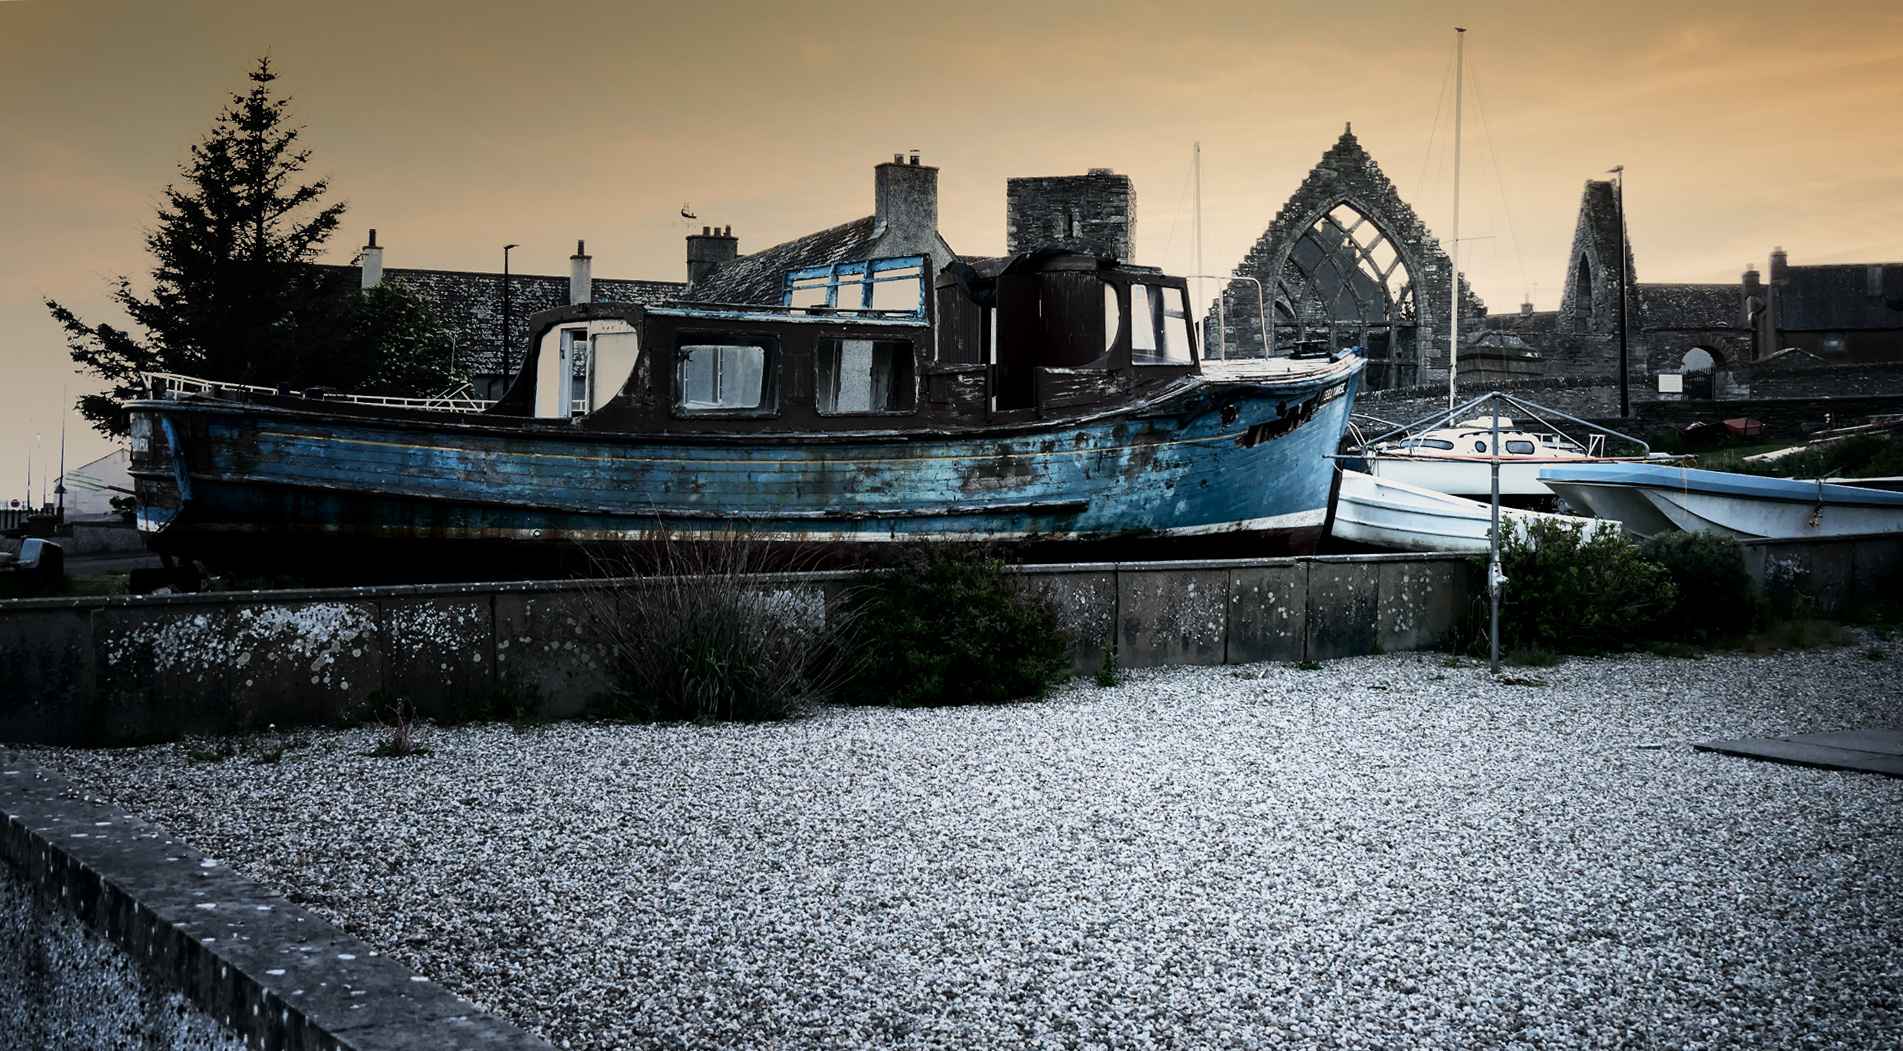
{"x": 1209, "y": 462}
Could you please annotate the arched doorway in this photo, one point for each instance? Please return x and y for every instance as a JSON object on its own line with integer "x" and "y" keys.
{"x": 1699, "y": 366}
{"x": 1345, "y": 283}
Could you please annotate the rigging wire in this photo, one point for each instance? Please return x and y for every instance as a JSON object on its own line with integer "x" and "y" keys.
{"x": 1499, "y": 181}
{"x": 1181, "y": 196}
{"x": 1433, "y": 134}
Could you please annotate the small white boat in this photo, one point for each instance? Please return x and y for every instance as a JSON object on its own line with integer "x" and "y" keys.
{"x": 1648, "y": 499}
{"x": 1387, "y": 513}
{"x": 1458, "y": 459}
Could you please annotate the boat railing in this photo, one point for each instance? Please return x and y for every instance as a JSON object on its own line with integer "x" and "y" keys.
{"x": 172, "y": 384}
{"x": 1595, "y": 441}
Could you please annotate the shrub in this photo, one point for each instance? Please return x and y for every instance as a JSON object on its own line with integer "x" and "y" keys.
{"x": 1716, "y": 596}
{"x": 1577, "y": 589}
{"x": 949, "y": 625}
{"x": 706, "y": 639}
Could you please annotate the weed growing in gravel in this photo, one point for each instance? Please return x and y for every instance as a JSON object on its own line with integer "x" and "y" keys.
{"x": 1308, "y": 665}
{"x": 949, "y": 624}
{"x": 402, "y": 734}
{"x": 213, "y": 752}
{"x": 1875, "y": 653}
{"x": 1108, "y": 674}
{"x": 1807, "y": 633}
{"x": 513, "y": 699}
{"x": 1533, "y": 657}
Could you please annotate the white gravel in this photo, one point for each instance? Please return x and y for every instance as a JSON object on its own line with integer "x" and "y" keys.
{"x": 1383, "y": 853}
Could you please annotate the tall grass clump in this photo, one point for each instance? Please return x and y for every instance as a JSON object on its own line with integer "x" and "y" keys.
{"x": 949, "y": 624}
{"x": 1577, "y": 589}
{"x": 707, "y": 635}
{"x": 1716, "y": 597}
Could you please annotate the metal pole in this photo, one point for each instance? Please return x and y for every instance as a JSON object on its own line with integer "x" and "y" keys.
{"x": 1494, "y": 577}
{"x": 1625, "y": 393}
{"x": 1453, "y": 323}
{"x": 506, "y": 370}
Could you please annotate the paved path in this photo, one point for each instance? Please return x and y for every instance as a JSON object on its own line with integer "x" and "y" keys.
{"x": 1877, "y": 751}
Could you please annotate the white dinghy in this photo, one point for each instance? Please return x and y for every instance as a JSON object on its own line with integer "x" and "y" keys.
{"x": 1387, "y": 513}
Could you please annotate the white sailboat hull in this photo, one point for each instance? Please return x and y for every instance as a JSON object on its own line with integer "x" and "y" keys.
{"x": 1387, "y": 513}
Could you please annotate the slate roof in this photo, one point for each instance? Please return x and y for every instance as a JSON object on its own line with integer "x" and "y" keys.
{"x": 1841, "y": 296}
{"x": 470, "y": 304}
{"x": 760, "y": 279}
{"x": 1690, "y": 306}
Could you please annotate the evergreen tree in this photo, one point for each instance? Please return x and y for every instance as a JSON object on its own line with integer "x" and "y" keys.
{"x": 234, "y": 295}
{"x": 398, "y": 346}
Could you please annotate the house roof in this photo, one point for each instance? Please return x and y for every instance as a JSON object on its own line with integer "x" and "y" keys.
{"x": 760, "y": 279}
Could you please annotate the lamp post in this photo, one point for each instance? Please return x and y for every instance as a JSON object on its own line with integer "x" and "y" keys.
{"x": 506, "y": 370}
{"x": 1625, "y": 391}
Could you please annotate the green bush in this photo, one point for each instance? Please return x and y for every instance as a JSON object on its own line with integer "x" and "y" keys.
{"x": 1575, "y": 589}
{"x": 1717, "y": 599}
{"x": 949, "y": 625}
{"x": 1858, "y": 456}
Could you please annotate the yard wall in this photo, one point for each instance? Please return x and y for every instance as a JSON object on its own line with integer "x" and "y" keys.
{"x": 125, "y": 669}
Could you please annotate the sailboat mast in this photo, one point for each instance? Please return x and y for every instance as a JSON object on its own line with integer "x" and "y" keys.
{"x": 1453, "y": 329}
{"x": 1196, "y": 165}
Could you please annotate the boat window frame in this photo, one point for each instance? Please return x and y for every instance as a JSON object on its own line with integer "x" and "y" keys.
{"x": 1159, "y": 325}
{"x": 909, "y": 355}
{"x": 769, "y": 373}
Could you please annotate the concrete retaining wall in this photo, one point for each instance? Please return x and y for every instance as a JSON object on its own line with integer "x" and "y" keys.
{"x": 124, "y": 669}
{"x": 130, "y": 938}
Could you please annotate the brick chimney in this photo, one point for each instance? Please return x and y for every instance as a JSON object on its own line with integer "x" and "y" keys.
{"x": 708, "y": 248}
{"x": 905, "y": 209}
{"x": 580, "y": 281}
{"x": 372, "y": 261}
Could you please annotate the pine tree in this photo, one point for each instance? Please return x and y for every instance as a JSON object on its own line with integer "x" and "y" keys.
{"x": 234, "y": 296}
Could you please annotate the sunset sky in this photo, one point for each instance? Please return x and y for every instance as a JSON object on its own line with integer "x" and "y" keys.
{"x": 456, "y": 128}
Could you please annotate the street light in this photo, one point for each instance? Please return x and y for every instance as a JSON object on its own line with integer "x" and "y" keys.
{"x": 506, "y": 370}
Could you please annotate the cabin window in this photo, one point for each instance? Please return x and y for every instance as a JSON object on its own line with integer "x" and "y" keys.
{"x": 722, "y": 377}
{"x": 1518, "y": 448}
{"x": 1159, "y": 326}
{"x": 1112, "y": 318}
{"x": 1431, "y": 443}
{"x": 611, "y": 361}
{"x": 864, "y": 376}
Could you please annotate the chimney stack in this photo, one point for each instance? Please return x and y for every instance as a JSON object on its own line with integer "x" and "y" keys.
{"x": 580, "y": 281}
{"x": 372, "y": 263}
{"x": 708, "y": 249}
{"x": 905, "y": 208}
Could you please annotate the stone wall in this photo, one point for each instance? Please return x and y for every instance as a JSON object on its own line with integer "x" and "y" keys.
{"x": 115, "y": 934}
{"x": 65, "y": 988}
{"x": 1095, "y": 214}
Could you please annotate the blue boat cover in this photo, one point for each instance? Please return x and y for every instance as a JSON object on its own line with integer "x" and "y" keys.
{"x": 1723, "y": 483}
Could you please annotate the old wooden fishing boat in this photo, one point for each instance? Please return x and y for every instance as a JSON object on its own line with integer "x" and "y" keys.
{"x": 1052, "y": 401}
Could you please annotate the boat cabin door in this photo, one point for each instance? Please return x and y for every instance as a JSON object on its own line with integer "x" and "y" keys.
{"x": 582, "y": 367}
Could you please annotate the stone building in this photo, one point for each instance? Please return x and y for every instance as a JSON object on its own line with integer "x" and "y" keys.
{"x": 1094, "y": 214}
{"x": 1346, "y": 262}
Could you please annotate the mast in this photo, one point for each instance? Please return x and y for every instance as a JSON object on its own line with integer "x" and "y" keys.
{"x": 1196, "y": 164}
{"x": 1453, "y": 323}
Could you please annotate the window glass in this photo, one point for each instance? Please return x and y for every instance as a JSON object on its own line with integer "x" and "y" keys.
{"x": 1112, "y": 317}
{"x": 1142, "y": 323}
{"x": 1520, "y": 448}
{"x": 1175, "y": 340}
{"x": 1431, "y": 443}
{"x": 716, "y": 377}
{"x": 864, "y": 376}
{"x": 1159, "y": 326}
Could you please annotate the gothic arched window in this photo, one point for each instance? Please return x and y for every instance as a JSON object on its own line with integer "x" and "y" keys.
{"x": 1345, "y": 283}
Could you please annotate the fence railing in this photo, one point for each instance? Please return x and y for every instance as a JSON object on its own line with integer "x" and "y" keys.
{"x": 462, "y": 399}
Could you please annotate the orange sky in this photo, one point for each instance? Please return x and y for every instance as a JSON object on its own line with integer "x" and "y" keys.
{"x": 455, "y": 128}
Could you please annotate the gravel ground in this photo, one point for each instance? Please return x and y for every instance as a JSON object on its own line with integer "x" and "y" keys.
{"x": 1383, "y": 853}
